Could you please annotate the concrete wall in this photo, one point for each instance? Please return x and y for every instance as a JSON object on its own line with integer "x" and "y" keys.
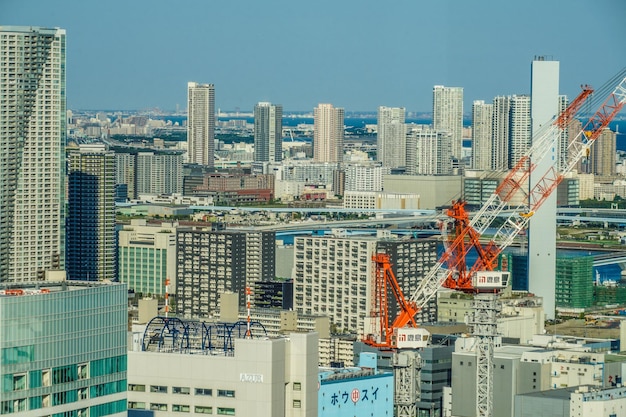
{"x": 434, "y": 191}
{"x": 261, "y": 376}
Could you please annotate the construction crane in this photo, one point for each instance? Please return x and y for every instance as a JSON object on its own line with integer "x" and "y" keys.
{"x": 451, "y": 270}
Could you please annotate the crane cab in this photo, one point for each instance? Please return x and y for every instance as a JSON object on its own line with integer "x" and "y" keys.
{"x": 490, "y": 280}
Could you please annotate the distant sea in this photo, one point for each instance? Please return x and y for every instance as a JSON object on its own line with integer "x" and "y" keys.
{"x": 354, "y": 122}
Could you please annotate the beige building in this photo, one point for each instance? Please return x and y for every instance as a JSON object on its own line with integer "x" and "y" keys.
{"x": 263, "y": 377}
{"x": 603, "y": 156}
{"x": 371, "y": 200}
{"x": 200, "y": 123}
{"x": 328, "y": 133}
{"x": 391, "y": 138}
{"x": 434, "y": 191}
{"x": 448, "y": 114}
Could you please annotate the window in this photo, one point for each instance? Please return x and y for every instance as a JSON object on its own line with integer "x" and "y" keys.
{"x": 226, "y": 393}
{"x": 136, "y": 405}
{"x": 180, "y": 390}
{"x": 297, "y": 404}
{"x": 204, "y": 391}
{"x": 136, "y": 387}
{"x": 225, "y": 411}
{"x": 158, "y": 407}
{"x": 82, "y": 371}
{"x": 180, "y": 408}
{"x": 203, "y": 410}
{"x": 297, "y": 386}
{"x": 158, "y": 388}
{"x": 19, "y": 382}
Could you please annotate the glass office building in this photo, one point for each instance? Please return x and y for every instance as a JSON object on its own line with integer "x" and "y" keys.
{"x": 63, "y": 350}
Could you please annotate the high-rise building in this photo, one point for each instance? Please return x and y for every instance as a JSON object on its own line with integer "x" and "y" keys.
{"x": 91, "y": 244}
{"x": 32, "y": 152}
{"x": 482, "y": 120}
{"x": 268, "y": 132}
{"x": 545, "y": 105}
{"x": 448, "y": 114}
{"x": 602, "y": 155}
{"x": 520, "y": 125}
{"x": 125, "y": 173}
{"x": 201, "y": 123}
{"x": 500, "y": 133}
{"x": 574, "y": 281}
{"x": 428, "y": 151}
{"x": 328, "y": 133}
{"x": 212, "y": 262}
{"x": 391, "y": 141}
{"x": 64, "y": 349}
{"x": 160, "y": 173}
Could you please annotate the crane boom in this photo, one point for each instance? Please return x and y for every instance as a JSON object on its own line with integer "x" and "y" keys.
{"x": 511, "y": 187}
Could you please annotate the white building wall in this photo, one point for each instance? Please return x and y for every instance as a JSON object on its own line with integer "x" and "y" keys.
{"x": 261, "y": 379}
{"x": 542, "y": 227}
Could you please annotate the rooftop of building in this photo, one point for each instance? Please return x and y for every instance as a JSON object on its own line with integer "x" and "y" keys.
{"x": 31, "y": 288}
{"x": 590, "y": 393}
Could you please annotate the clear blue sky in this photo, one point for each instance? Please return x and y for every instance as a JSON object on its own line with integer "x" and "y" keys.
{"x": 138, "y": 54}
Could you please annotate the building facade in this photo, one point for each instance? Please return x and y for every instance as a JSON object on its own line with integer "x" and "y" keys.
{"x": 448, "y": 115}
{"x": 159, "y": 173}
{"x": 391, "y": 139}
{"x": 264, "y": 377}
{"x": 333, "y": 275}
{"x": 500, "y": 133}
{"x": 364, "y": 177}
{"x": 91, "y": 242}
{"x": 603, "y": 153}
{"x": 64, "y": 350}
{"x": 545, "y": 105}
{"x": 520, "y": 128}
{"x": 201, "y": 123}
{"x": 126, "y": 172}
{"x": 32, "y": 150}
{"x": 147, "y": 257}
{"x": 482, "y": 124}
{"x": 429, "y": 152}
{"x": 213, "y": 262}
{"x": 328, "y": 133}
{"x": 268, "y": 132}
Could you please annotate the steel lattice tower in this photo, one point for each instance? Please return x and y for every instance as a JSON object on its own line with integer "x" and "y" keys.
{"x": 485, "y": 330}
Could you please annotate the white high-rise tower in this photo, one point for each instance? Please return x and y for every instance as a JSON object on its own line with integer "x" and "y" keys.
{"x": 545, "y": 104}
{"x": 448, "y": 114}
{"x": 32, "y": 152}
{"x": 391, "y": 141}
{"x": 201, "y": 123}
{"x": 482, "y": 115}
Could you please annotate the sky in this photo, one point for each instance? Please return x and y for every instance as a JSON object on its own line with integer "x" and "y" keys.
{"x": 140, "y": 54}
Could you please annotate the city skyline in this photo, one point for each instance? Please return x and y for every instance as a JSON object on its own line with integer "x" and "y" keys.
{"x": 357, "y": 57}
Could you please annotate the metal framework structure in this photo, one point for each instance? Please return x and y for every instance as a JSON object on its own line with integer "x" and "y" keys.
{"x": 385, "y": 282}
{"x": 485, "y": 330}
{"x": 171, "y": 334}
{"x": 407, "y": 366}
